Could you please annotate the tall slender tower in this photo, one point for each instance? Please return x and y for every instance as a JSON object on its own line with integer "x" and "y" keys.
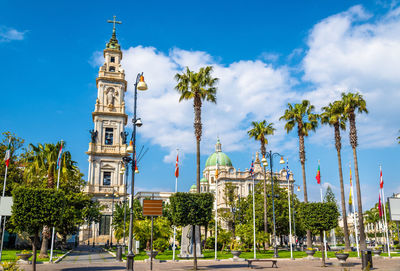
{"x": 106, "y": 180}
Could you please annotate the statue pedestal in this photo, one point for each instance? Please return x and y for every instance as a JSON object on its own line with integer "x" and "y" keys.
{"x": 187, "y": 243}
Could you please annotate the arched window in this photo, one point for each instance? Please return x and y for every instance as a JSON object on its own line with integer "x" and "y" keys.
{"x": 111, "y": 69}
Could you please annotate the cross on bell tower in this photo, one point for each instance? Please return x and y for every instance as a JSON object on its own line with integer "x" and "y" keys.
{"x": 113, "y": 43}
{"x": 114, "y": 22}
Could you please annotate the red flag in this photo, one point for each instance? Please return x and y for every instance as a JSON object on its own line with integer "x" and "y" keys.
{"x": 8, "y": 153}
{"x": 380, "y": 206}
{"x": 318, "y": 177}
{"x": 177, "y": 167}
{"x": 381, "y": 180}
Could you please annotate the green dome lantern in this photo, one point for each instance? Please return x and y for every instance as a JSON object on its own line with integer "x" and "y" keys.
{"x": 204, "y": 180}
{"x": 223, "y": 159}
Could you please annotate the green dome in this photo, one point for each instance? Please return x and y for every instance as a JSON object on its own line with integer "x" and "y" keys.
{"x": 223, "y": 159}
{"x": 204, "y": 180}
{"x": 193, "y": 187}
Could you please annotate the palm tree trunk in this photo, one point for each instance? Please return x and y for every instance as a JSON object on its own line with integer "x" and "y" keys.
{"x": 198, "y": 165}
{"x": 45, "y": 243}
{"x": 343, "y": 199}
{"x": 363, "y": 244}
{"x": 265, "y": 195}
{"x": 302, "y": 155}
{"x": 197, "y": 132}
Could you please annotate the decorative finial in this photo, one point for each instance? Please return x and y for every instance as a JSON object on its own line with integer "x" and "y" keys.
{"x": 218, "y": 146}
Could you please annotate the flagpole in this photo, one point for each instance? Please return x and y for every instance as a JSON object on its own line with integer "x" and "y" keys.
{"x": 290, "y": 216}
{"x": 58, "y": 184}
{"x": 384, "y": 217}
{"x": 320, "y": 190}
{"x": 8, "y": 157}
{"x": 354, "y": 217}
{"x": 176, "y": 190}
{"x": 4, "y": 192}
{"x": 326, "y": 253}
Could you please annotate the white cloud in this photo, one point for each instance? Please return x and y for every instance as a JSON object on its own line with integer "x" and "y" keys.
{"x": 247, "y": 90}
{"x": 350, "y": 51}
{"x": 8, "y": 34}
{"x": 347, "y": 51}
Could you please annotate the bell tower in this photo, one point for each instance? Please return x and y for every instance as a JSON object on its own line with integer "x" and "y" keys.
{"x": 106, "y": 179}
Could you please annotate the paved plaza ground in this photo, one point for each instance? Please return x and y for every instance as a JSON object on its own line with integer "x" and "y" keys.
{"x": 86, "y": 258}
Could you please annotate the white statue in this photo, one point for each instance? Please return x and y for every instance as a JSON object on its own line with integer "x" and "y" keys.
{"x": 111, "y": 96}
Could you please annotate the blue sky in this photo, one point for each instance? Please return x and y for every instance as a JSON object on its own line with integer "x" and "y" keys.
{"x": 266, "y": 54}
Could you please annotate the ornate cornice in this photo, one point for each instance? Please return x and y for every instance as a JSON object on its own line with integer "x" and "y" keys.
{"x": 114, "y": 114}
{"x": 115, "y": 80}
{"x": 112, "y": 51}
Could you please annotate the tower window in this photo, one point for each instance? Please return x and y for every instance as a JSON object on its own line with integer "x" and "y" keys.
{"x": 108, "y": 140}
{"x": 107, "y": 178}
{"x": 112, "y": 59}
{"x": 111, "y": 69}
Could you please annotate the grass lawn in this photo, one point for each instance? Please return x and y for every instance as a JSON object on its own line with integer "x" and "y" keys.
{"x": 10, "y": 255}
{"x": 209, "y": 254}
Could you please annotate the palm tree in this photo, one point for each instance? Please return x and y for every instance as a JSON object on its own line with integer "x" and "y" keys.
{"x": 259, "y": 132}
{"x": 302, "y": 115}
{"x": 41, "y": 170}
{"x": 354, "y": 102}
{"x": 333, "y": 115}
{"x": 198, "y": 86}
{"x": 372, "y": 217}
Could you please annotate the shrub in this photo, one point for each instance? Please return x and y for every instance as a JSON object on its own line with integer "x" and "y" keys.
{"x": 161, "y": 244}
{"x": 210, "y": 243}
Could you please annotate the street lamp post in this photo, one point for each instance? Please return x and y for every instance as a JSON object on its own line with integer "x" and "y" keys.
{"x": 139, "y": 85}
{"x": 270, "y": 156}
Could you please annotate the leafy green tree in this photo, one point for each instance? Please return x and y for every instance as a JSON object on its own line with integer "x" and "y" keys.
{"x": 73, "y": 214}
{"x": 320, "y": 216}
{"x": 161, "y": 231}
{"x": 334, "y": 116}
{"x": 372, "y": 217}
{"x": 230, "y": 197}
{"x": 301, "y": 115}
{"x": 259, "y": 132}
{"x": 197, "y": 86}
{"x": 34, "y": 208}
{"x": 41, "y": 172}
{"x": 355, "y": 102}
{"x": 191, "y": 209}
{"x": 329, "y": 195}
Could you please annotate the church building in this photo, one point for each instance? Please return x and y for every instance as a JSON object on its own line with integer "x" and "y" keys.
{"x": 106, "y": 176}
{"x": 219, "y": 170}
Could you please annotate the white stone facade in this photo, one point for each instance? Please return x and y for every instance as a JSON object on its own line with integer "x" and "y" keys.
{"x": 106, "y": 177}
